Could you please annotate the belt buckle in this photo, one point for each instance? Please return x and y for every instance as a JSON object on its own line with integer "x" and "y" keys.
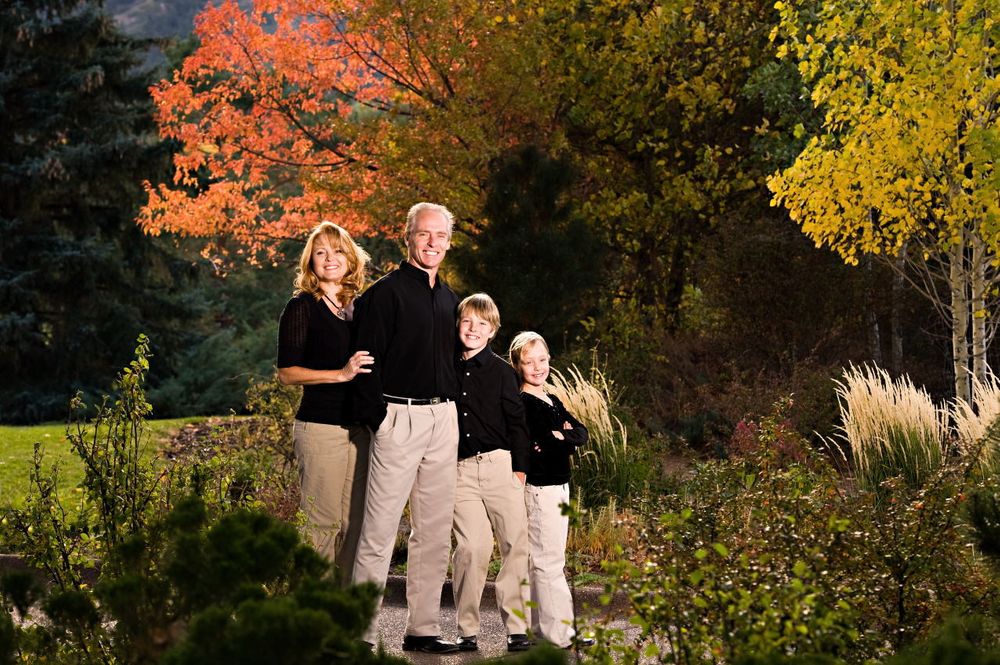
{"x": 435, "y": 400}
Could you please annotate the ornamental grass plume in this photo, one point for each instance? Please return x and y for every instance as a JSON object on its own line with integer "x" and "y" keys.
{"x": 972, "y": 425}
{"x": 892, "y": 427}
{"x": 603, "y": 468}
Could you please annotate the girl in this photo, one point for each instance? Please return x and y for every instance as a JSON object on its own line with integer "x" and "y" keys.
{"x": 555, "y": 435}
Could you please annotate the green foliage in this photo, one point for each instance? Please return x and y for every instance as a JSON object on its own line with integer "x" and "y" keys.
{"x": 538, "y": 258}
{"x": 188, "y": 589}
{"x": 958, "y": 642}
{"x": 78, "y": 279}
{"x": 120, "y": 489}
{"x": 766, "y": 558}
{"x": 984, "y": 515}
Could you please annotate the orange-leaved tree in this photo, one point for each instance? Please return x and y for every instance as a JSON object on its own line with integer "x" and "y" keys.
{"x": 300, "y": 110}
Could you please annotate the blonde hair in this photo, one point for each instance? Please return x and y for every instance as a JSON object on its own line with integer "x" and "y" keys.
{"x": 482, "y": 306}
{"x": 306, "y": 280}
{"x": 418, "y": 209}
{"x": 521, "y": 342}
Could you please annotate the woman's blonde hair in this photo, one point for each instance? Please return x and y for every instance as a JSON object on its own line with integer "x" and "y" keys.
{"x": 306, "y": 280}
{"x": 520, "y": 342}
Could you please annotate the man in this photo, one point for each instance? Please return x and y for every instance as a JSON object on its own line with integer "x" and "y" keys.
{"x": 407, "y": 322}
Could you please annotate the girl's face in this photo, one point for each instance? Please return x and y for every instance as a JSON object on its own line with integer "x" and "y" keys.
{"x": 533, "y": 365}
{"x": 329, "y": 263}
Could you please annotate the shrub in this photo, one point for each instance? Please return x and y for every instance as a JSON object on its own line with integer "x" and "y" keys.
{"x": 756, "y": 560}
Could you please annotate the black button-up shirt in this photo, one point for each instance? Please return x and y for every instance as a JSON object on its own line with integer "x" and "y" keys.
{"x": 550, "y": 456}
{"x": 409, "y": 327}
{"x": 490, "y": 412}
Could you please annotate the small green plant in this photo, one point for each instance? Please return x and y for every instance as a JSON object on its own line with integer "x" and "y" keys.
{"x": 119, "y": 493}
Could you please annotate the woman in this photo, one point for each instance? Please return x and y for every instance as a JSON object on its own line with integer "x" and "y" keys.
{"x": 314, "y": 337}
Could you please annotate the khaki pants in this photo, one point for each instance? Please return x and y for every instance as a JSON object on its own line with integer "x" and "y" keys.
{"x": 413, "y": 452}
{"x": 488, "y": 493}
{"x": 333, "y": 470}
{"x": 548, "y": 528}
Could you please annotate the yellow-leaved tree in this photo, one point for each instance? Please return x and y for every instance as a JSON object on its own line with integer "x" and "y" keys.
{"x": 905, "y": 166}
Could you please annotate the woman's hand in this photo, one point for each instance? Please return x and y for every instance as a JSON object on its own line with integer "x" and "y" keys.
{"x": 556, "y": 434}
{"x": 357, "y": 364}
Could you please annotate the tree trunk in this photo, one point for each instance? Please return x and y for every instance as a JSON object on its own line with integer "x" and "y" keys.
{"x": 896, "y": 316}
{"x": 871, "y": 316}
{"x": 979, "y": 287}
{"x": 958, "y": 278}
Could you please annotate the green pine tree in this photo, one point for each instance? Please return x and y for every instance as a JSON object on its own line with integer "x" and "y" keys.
{"x": 78, "y": 279}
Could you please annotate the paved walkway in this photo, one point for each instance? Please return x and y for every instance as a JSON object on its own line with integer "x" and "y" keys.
{"x": 493, "y": 635}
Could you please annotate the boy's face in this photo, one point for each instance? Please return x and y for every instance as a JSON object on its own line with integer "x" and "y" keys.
{"x": 474, "y": 333}
{"x": 533, "y": 365}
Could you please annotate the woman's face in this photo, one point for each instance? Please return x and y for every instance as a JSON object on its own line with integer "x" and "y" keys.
{"x": 533, "y": 365}
{"x": 329, "y": 264}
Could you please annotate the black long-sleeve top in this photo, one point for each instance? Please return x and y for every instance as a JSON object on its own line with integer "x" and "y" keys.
{"x": 409, "y": 328}
{"x": 549, "y": 462}
{"x": 490, "y": 412}
{"x": 309, "y": 335}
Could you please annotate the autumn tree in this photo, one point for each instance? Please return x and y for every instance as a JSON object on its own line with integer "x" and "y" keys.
{"x": 904, "y": 166}
{"x": 295, "y": 111}
{"x": 353, "y": 109}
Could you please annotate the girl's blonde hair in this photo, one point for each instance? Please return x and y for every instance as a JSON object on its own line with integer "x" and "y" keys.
{"x": 520, "y": 342}
{"x": 306, "y": 280}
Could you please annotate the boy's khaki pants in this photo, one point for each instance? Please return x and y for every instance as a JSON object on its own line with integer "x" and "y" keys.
{"x": 488, "y": 494}
{"x": 413, "y": 453}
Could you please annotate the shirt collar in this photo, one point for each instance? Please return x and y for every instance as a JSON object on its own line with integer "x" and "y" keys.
{"x": 480, "y": 358}
{"x": 418, "y": 274}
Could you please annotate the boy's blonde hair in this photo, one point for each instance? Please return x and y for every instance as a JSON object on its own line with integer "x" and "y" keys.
{"x": 520, "y": 342}
{"x": 482, "y": 306}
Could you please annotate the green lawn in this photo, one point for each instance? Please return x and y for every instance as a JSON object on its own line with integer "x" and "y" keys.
{"x": 16, "y": 444}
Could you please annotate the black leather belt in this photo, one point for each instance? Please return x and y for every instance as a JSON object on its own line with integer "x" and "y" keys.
{"x": 392, "y": 399}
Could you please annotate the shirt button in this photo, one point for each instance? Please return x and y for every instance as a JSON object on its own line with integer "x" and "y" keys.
{"x": 465, "y": 394}
{"x": 465, "y": 414}
{"x": 467, "y": 374}
{"x": 467, "y": 435}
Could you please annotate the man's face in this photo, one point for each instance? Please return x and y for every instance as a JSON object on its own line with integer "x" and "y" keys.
{"x": 429, "y": 240}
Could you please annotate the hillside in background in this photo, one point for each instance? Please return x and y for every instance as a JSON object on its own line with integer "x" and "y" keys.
{"x": 155, "y": 18}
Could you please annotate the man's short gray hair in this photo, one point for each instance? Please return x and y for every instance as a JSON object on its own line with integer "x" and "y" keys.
{"x": 422, "y": 207}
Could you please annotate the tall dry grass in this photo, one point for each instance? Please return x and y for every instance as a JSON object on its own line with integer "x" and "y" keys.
{"x": 892, "y": 427}
{"x": 973, "y": 424}
{"x": 605, "y": 468}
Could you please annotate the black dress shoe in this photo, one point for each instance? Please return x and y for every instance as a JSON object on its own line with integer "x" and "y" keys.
{"x": 428, "y": 644}
{"x": 585, "y": 642}
{"x": 518, "y": 642}
{"x": 467, "y": 643}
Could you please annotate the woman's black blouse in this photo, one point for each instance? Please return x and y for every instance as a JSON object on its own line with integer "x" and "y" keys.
{"x": 549, "y": 464}
{"x": 309, "y": 335}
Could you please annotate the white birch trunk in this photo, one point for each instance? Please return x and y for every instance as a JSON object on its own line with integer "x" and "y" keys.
{"x": 979, "y": 288}
{"x": 958, "y": 282}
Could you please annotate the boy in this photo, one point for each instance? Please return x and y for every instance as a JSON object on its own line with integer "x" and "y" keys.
{"x": 492, "y": 463}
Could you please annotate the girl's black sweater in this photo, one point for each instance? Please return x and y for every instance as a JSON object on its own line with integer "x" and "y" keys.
{"x": 549, "y": 464}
